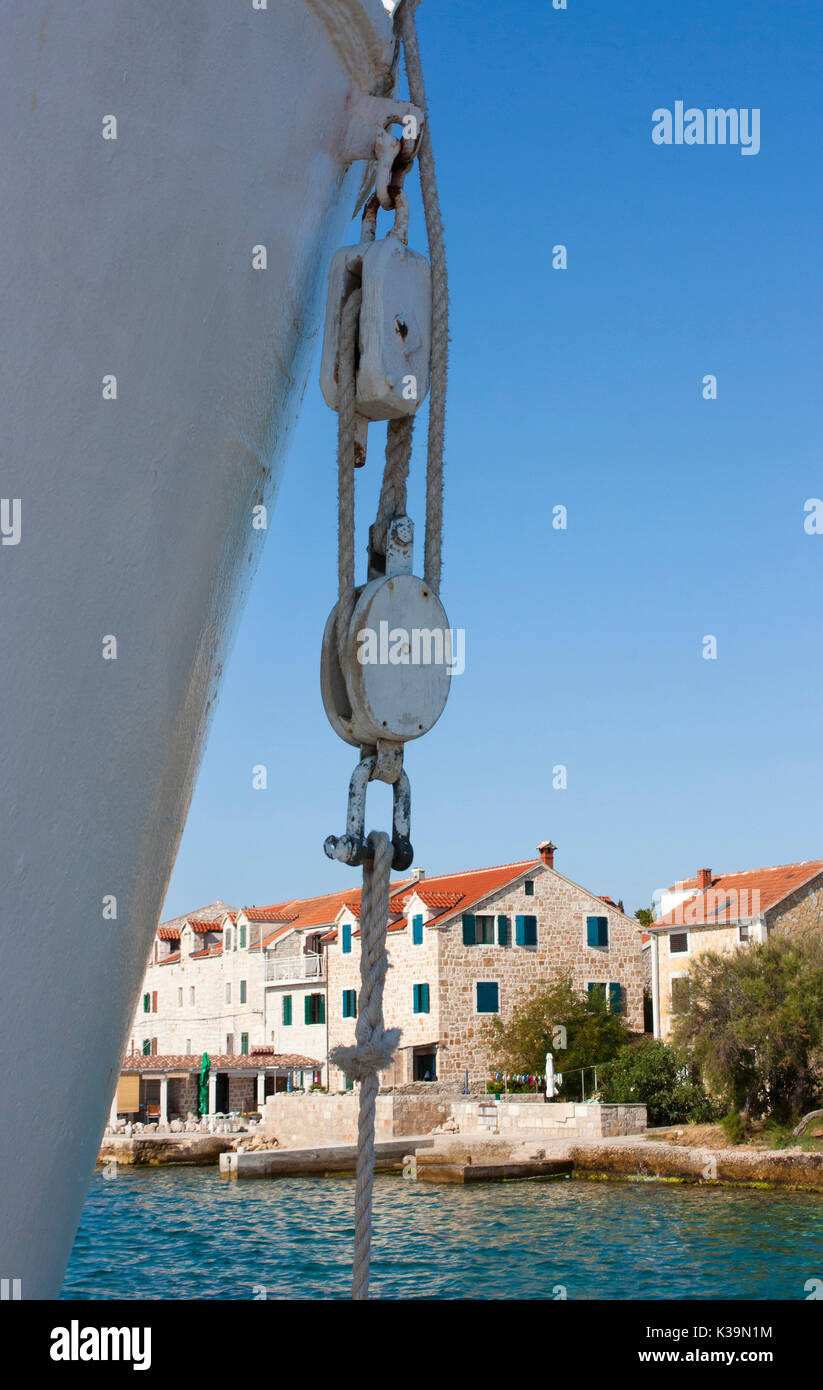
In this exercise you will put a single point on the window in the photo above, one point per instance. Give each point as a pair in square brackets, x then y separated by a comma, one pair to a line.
[350, 1003]
[286, 1010]
[678, 943]
[525, 931]
[417, 930]
[227, 940]
[180, 997]
[188, 1047]
[680, 993]
[420, 999]
[484, 928]
[228, 991]
[528, 887]
[743, 932]
[503, 931]
[597, 991]
[147, 1047]
[346, 938]
[244, 1044]
[230, 1044]
[597, 931]
[191, 994]
[242, 991]
[615, 998]
[146, 1003]
[315, 1008]
[488, 998]
[242, 938]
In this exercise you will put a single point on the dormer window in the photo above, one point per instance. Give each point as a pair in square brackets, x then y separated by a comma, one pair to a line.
[227, 946]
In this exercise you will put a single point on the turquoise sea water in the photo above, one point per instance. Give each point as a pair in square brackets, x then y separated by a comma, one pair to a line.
[188, 1233]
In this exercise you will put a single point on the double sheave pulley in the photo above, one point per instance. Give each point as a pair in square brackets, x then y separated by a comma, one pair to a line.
[384, 667]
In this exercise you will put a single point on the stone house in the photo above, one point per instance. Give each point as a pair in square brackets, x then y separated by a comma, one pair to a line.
[723, 912]
[466, 947]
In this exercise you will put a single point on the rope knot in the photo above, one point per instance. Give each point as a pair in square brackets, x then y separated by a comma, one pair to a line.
[367, 1058]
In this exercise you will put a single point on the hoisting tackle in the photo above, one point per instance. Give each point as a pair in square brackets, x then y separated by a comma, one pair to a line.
[385, 348]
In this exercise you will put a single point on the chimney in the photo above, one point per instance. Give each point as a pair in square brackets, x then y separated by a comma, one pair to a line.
[704, 879]
[546, 851]
[417, 874]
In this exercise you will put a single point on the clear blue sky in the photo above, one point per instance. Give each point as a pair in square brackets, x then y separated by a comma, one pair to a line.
[581, 387]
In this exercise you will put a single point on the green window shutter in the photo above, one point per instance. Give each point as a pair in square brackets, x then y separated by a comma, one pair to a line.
[147, 1047]
[488, 998]
[591, 932]
[307, 1008]
[616, 998]
[345, 1003]
[529, 931]
[349, 1003]
[242, 991]
[415, 999]
[424, 999]
[597, 992]
[603, 936]
[520, 931]
[286, 1010]
[244, 1044]
[502, 931]
[417, 931]
[242, 938]
[346, 938]
[146, 1003]
[321, 1008]
[468, 929]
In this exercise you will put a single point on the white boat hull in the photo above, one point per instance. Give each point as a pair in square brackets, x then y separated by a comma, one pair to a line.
[132, 258]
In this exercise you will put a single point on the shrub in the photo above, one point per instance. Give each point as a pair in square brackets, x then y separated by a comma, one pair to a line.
[655, 1075]
[734, 1127]
[754, 1024]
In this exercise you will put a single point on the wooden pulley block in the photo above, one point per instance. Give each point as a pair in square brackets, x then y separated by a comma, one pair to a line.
[397, 663]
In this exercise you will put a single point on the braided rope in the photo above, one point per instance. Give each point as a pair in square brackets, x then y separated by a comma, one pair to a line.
[392, 501]
[346, 410]
[374, 1046]
[440, 303]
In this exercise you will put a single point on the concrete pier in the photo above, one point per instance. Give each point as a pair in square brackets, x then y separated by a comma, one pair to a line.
[390, 1156]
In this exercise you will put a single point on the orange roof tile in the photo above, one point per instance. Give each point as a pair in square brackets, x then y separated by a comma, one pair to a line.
[740, 895]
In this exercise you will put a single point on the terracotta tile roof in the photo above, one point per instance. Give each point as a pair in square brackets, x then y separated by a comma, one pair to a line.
[313, 913]
[191, 1062]
[215, 950]
[200, 925]
[280, 912]
[171, 959]
[447, 893]
[169, 933]
[212, 912]
[736, 896]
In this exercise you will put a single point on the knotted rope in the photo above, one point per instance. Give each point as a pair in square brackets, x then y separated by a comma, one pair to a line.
[374, 1047]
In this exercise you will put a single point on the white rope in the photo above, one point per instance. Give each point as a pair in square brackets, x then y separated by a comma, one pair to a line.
[374, 1047]
[346, 410]
[440, 303]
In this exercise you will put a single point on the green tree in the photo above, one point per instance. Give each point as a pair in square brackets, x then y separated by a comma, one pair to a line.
[658, 1076]
[753, 1023]
[645, 915]
[593, 1033]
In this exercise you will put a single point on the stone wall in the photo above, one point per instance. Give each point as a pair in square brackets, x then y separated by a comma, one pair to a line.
[315, 1121]
[553, 1120]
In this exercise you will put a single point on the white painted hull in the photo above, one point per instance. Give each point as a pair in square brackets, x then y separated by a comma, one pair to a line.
[133, 258]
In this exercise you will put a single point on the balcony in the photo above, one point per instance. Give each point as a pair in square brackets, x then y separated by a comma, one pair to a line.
[305, 967]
